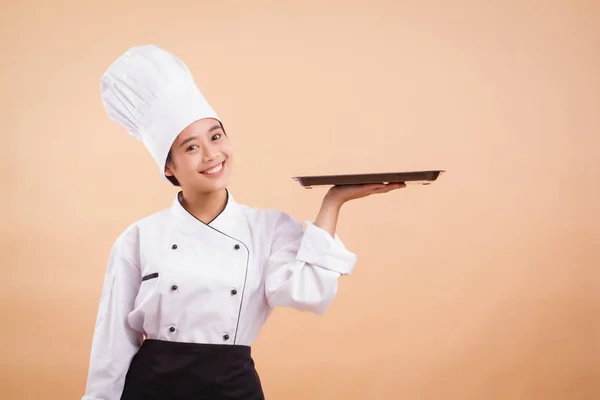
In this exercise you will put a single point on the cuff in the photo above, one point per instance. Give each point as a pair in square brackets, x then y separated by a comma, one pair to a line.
[320, 249]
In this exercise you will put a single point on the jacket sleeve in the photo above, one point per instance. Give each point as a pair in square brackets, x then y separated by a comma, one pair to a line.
[304, 266]
[114, 342]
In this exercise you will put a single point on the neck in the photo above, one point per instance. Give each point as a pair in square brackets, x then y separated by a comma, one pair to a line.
[204, 206]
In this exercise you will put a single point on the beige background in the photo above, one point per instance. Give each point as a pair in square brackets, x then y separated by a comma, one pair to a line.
[485, 285]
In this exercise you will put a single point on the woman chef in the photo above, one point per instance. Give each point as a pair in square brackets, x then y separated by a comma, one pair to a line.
[187, 289]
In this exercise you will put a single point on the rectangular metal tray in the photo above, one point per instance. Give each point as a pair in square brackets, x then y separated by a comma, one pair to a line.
[409, 177]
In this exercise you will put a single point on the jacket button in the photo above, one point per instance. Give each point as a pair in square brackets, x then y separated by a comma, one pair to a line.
[225, 337]
[174, 287]
[172, 329]
[237, 247]
[234, 291]
[174, 247]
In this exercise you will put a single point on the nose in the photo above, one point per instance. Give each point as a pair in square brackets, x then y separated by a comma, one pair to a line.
[210, 154]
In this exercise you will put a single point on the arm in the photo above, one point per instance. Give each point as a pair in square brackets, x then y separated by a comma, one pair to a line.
[329, 213]
[304, 265]
[114, 342]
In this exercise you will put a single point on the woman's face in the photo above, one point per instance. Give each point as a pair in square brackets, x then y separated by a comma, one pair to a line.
[201, 157]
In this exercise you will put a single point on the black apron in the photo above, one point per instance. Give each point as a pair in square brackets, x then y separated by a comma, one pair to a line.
[163, 370]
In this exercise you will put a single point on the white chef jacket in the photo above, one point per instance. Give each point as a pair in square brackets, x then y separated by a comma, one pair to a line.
[172, 277]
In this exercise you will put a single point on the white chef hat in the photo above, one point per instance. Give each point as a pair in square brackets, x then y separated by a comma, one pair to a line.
[153, 95]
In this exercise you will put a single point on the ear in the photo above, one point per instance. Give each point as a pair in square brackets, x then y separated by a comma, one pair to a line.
[169, 168]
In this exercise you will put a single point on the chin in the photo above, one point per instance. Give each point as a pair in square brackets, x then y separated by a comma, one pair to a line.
[212, 187]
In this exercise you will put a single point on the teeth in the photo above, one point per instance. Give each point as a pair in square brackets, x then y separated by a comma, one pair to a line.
[214, 170]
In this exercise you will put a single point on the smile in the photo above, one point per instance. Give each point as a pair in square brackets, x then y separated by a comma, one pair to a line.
[214, 171]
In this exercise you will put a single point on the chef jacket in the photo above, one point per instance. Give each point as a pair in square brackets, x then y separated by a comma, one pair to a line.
[172, 277]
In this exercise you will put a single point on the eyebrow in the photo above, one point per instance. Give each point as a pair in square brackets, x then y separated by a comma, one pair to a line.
[214, 128]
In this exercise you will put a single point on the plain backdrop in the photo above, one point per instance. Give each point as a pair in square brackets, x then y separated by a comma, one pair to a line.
[484, 285]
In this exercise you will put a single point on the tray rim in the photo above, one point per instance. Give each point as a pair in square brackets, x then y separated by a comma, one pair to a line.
[438, 173]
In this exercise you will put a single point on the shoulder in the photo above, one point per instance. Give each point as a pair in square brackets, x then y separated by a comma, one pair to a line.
[270, 214]
[127, 242]
[271, 220]
[154, 221]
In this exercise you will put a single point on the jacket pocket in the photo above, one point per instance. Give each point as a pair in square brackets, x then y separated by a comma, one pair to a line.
[150, 276]
[149, 290]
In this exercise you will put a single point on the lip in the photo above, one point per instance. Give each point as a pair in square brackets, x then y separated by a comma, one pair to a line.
[215, 175]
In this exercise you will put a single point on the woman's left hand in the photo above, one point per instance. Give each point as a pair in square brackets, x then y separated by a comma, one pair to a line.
[342, 194]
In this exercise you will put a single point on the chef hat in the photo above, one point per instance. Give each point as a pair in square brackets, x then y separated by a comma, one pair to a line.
[152, 94]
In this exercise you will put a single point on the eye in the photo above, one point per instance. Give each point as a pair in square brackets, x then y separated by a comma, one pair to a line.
[217, 136]
[192, 147]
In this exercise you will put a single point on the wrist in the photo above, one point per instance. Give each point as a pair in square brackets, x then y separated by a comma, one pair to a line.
[332, 201]
[328, 214]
